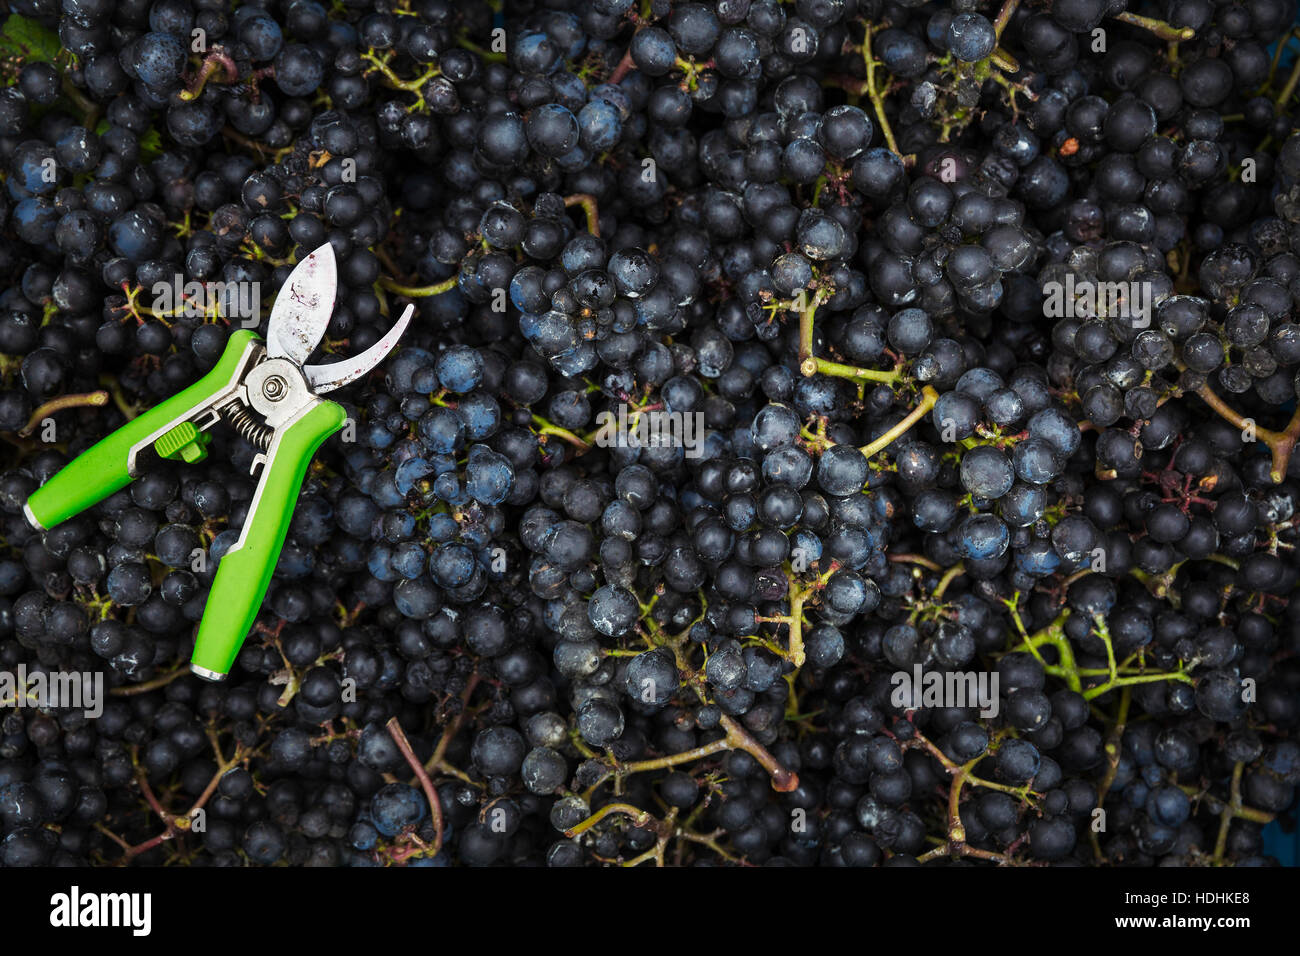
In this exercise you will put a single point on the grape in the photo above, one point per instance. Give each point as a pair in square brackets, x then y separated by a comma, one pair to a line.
[745, 382]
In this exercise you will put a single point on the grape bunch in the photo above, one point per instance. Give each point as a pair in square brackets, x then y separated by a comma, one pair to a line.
[832, 433]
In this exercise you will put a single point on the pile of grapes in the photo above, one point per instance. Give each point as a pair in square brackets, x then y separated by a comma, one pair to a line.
[970, 329]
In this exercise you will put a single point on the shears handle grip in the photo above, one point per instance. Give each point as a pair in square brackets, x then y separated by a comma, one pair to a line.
[106, 466]
[245, 570]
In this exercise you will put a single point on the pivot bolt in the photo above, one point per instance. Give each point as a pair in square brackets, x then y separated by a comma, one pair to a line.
[274, 388]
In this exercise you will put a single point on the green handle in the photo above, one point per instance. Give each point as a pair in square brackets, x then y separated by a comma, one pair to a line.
[245, 570]
[103, 469]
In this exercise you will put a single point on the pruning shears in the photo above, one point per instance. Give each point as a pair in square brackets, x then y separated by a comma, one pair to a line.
[271, 398]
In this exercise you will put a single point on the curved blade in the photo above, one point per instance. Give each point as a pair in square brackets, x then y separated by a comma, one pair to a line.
[326, 378]
[303, 308]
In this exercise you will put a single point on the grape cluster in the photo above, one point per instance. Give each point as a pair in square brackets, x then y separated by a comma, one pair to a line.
[971, 542]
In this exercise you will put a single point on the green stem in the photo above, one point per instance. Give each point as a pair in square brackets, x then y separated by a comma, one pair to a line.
[796, 652]
[545, 427]
[1277, 57]
[1094, 692]
[95, 399]
[1161, 29]
[808, 364]
[1113, 749]
[639, 817]
[396, 82]
[948, 577]
[1100, 628]
[1004, 61]
[130, 690]
[490, 55]
[928, 397]
[1225, 820]
[1291, 81]
[417, 292]
[840, 370]
[1004, 16]
[588, 203]
[1054, 634]
[876, 96]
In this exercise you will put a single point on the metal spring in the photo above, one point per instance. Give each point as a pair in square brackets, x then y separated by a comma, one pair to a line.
[241, 417]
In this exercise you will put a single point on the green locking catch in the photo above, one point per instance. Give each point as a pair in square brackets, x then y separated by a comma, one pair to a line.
[183, 443]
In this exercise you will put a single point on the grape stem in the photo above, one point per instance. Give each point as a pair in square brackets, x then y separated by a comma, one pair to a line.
[948, 577]
[417, 292]
[1094, 692]
[840, 370]
[1112, 750]
[1281, 444]
[1235, 808]
[545, 427]
[130, 690]
[799, 596]
[415, 86]
[435, 806]
[625, 66]
[963, 774]
[1054, 634]
[920, 559]
[588, 203]
[217, 59]
[810, 364]
[876, 95]
[175, 824]
[928, 397]
[1291, 81]
[1161, 29]
[436, 762]
[640, 818]
[665, 831]
[672, 760]
[796, 652]
[85, 400]
[1277, 57]
[738, 738]
[1004, 16]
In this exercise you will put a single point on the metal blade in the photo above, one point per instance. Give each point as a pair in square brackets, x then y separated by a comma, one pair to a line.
[326, 378]
[303, 308]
